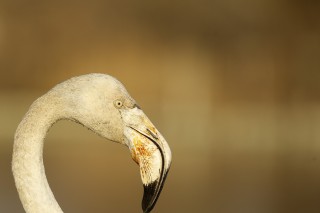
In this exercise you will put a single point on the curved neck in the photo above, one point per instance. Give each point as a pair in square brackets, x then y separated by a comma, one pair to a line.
[27, 163]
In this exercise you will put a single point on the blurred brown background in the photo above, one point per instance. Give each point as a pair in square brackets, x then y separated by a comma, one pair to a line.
[234, 86]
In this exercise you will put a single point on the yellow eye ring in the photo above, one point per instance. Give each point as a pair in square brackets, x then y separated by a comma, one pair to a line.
[118, 104]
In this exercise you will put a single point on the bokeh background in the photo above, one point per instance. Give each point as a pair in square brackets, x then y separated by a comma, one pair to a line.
[234, 86]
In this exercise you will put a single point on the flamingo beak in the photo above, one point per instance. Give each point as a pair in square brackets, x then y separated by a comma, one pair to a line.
[151, 152]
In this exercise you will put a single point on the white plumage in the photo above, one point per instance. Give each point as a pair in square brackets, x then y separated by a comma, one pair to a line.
[102, 104]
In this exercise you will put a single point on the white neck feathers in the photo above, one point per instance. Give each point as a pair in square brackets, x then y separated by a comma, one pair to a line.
[27, 163]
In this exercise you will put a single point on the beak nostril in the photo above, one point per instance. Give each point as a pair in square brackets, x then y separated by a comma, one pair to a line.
[153, 134]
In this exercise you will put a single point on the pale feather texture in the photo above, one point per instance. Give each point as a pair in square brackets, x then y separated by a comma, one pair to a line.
[75, 99]
[100, 103]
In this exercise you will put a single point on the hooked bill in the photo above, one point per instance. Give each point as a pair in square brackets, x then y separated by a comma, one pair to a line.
[150, 151]
[147, 156]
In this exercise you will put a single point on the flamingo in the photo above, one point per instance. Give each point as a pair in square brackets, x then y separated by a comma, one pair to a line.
[103, 105]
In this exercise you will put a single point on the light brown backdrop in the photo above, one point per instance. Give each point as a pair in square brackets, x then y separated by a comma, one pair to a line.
[234, 86]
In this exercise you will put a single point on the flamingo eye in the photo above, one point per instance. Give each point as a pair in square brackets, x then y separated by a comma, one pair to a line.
[118, 103]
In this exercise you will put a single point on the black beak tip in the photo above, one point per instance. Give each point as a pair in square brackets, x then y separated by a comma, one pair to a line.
[151, 193]
[150, 196]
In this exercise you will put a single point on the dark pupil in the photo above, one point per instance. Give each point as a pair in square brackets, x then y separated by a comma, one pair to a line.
[119, 103]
